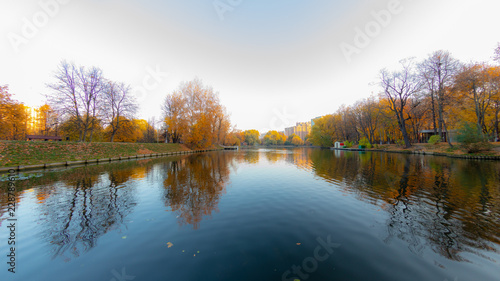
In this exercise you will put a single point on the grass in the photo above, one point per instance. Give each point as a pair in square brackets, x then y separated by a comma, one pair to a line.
[442, 148]
[14, 153]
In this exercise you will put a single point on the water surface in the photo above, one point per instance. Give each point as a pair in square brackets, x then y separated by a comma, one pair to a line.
[268, 214]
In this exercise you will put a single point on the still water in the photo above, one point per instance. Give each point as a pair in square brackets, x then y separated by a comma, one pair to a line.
[302, 214]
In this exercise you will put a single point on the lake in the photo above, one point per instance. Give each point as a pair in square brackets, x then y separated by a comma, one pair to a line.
[263, 214]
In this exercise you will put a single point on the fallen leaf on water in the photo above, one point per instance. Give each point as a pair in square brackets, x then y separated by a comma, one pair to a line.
[169, 244]
[198, 252]
[124, 237]
[298, 244]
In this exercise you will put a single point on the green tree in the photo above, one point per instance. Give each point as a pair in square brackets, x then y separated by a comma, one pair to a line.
[297, 141]
[274, 138]
[323, 131]
[251, 137]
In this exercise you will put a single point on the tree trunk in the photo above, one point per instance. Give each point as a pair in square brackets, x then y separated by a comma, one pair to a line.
[433, 113]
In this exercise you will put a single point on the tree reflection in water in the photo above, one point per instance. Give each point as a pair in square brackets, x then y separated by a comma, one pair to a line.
[194, 186]
[87, 206]
[79, 205]
[451, 204]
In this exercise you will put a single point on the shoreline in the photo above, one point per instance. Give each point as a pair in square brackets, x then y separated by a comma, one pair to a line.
[421, 152]
[45, 166]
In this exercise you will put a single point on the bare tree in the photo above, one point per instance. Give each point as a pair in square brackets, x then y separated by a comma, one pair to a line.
[399, 86]
[64, 97]
[496, 57]
[368, 114]
[120, 106]
[91, 88]
[438, 72]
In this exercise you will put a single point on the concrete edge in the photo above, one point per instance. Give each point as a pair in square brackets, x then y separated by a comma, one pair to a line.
[98, 161]
[474, 157]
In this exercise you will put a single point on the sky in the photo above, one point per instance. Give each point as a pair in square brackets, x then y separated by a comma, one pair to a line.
[273, 63]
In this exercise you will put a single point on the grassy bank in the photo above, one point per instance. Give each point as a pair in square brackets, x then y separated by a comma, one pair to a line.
[443, 148]
[14, 153]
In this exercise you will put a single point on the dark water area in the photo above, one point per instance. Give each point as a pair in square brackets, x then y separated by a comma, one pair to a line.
[268, 214]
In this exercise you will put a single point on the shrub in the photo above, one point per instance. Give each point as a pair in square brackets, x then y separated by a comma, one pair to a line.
[400, 143]
[364, 142]
[471, 139]
[348, 144]
[434, 139]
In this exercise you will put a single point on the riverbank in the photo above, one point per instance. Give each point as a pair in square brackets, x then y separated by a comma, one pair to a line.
[24, 153]
[442, 149]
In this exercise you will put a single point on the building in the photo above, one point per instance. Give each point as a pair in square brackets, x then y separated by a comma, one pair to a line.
[301, 129]
[425, 135]
[314, 120]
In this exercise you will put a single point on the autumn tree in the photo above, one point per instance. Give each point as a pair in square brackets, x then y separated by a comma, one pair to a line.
[322, 132]
[476, 84]
[149, 133]
[398, 87]
[6, 104]
[367, 114]
[13, 116]
[47, 120]
[274, 138]
[296, 140]
[194, 115]
[233, 139]
[252, 137]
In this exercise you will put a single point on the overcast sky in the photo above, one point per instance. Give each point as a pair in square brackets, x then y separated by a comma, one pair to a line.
[273, 63]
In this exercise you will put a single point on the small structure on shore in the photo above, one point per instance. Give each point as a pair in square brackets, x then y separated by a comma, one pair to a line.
[44, 138]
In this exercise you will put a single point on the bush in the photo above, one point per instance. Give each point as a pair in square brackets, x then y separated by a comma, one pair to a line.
[348, 144]
[400, 143]
[364, 142]
[434, 139]
[471, 139]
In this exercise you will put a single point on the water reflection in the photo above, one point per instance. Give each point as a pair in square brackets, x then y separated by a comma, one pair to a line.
[194, 186]
[453, 205]
[78, 206]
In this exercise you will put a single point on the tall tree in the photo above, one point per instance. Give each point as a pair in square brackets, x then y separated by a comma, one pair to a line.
[398, 87]
[497, 53]
[474, 83]
[438, 72]
[64, 97]
[194, 115]
[77, 96]
[368, 114]
[91, 84]
[120, 106]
